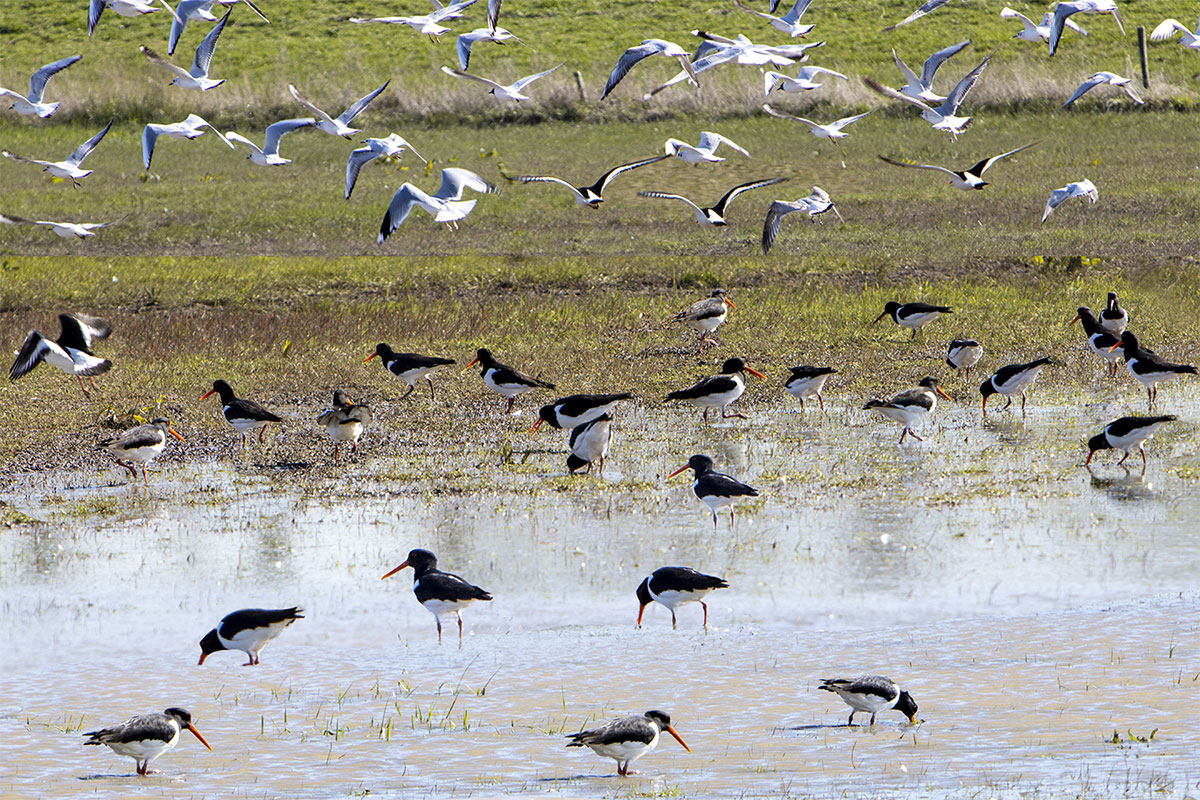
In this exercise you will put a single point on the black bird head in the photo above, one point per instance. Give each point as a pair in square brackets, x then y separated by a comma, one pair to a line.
[1097, 442]
[421, 562]
[700, 463]
[339, 400]
[210, 644]
[1084, 314]
[483, 357]
[1112, 299]
[663, 720]
[931, 383]
[1128, 343]
[889, 310]
[987, 389]
[732, 366]
[181, 714]
[574, 463]
[907, 706]
[644, 599]
[222, 389]
[383, 352]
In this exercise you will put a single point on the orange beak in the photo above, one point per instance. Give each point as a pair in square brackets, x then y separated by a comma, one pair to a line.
[641, 611]
[729, 303]
[468, 366]
[672, 475]
[1115, 346]
[393, 572]
[756, 372]
[1074, 319]
[671, 731]
[175, 433]
[207, 394]
[368, 358]
[881, 316]
[203, 741]
[202, 657]
[536, 424]
[938, 389]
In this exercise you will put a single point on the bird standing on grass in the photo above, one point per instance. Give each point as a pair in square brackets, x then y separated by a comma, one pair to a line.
[248, 630]
[503, 379]
[913, 316]
[146, 737]
[1100, 340]
[705, 316]
[409, 366]
[1147, 368]
[1113, 318]
[244, 416]
[71, 352]
[962, 354]
[578, 409]
[871, 693]
[627, 739]
[715, 489]
[140, 445]
[589, 443]
[344, 421]
[439, 592]
[806, 382]
[676, 586]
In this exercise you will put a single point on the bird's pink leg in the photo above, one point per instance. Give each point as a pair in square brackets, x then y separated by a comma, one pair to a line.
[704, 605]
[261, 433]
[439, 624]
[459, 615]
[430, 382]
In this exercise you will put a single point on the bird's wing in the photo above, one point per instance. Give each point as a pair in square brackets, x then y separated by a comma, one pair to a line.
[1166, 29]
[455, 180]
[307, 104]
[87, 147]
[354, 164]
[964, 86]
[528, 79]
[767, 108]
[10, 219]
[23, 159]
[402, 203]
[626, 62]
[37, 82]
[79, 331]
[465, 42]
[1132, 94]
[493, 15]
[669, 196]
[1057, 198]
[204, 53]
[775, 214]
[149, 137]
[276, 131]
[451, 11]
[1061, 12]
[200, 122]
[710, 141]
[916, 15]
[888, 91]
[914, 165]
[845, 121]
[724, 202]
[752, 11]
[910, 77]
[177, 26]
[257, 10]
[361, 104]
[822, 71]
[1085, 87]
[234, 136]
[607, 177]
[1070, 23]
[797, 11]
[155, 58]
[986, 164]
[935, 61]
[1008, 13]
[460, 74]
[95, 9]
[31, 353]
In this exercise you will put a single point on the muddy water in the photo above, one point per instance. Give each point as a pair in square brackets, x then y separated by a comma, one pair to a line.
[1032, 609]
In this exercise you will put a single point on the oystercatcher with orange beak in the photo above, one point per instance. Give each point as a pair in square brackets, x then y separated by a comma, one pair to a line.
[1100, 340]
[140, 445]
[245, 416]
[627, 739]
[910, 406]
[248, 630]
[578, 409]
[1011, 380]
[913, 316]
[503, 379]
[147, 736]
[718, 391]
[705, 316]
[1125, 434]
[409, 366]
[677, 586]
[1113, 318]
[440, 592]
[715, 489]
[872, 693]
[345, 421]
[1147, 367]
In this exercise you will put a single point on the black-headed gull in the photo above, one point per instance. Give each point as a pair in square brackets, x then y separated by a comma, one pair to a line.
[68, 168]
[942, 117]
[649, 47]
[967, 179]
[493, 15]
[590, 196]
[67, 230]
[789, 23]
[814, 205]
[126, 8]
[511, 92]
[831, 131]
[341, 125]
[1085, 190]
[1099, 79]
[932, 5]
[466, 41]
[1032, 32]
[33, 102]
[716, 50]
[190, 128]
[1169, 27]
[428, 24]
[804, 81]
[921, 87]
[189, 10]
[390, 147]
[1064, 10]
[445, 205]
[269, 156]
[714, 217]
[197, 76]
[703, 152]
[71, 352]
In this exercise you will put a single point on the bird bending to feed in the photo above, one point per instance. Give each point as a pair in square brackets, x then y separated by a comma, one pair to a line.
[1085, 190]
[910, 406]
[409, 366]
[705, 316]
[140, 445]
[1125, 434]
[589, 443]
[1169, 27]
[125, 8]
[1100, 79]
[814, 205]
[33, 103]
[68, 168]
[344, 421]
[428, 24]
[244, 416]
[578, 409]
[1113, 318]
[146, 736]
[1062, 11]
[943, 117]
[718, 391]
[913, 316]
[714, 217]
[804, 81]
[341, 125]
[627, 739]
[715, 489]
[189, 10]
[677, 586]
[967, 179]
[1148, 368]
[390, 147]
[67, 230]
[921, 87]
[789, 23]
[71, 352]
[831, 131]
[703, 152]
[468, 40]
[872, 693]
[268, 155]
[440, 592]
[445, 205]
[1100, 340]
[1036, 33]
[197, 76]
[591, 196]
[190, 128]
[931, 5]
[807, 382]
[503, 379]
[1013, 379]
[649, 47]
[248, 630]
[962, 354]
[513, 91]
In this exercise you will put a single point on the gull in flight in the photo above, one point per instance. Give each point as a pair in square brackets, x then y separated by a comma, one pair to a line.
[493, 15]
[445, 205]
[705, 151]
[804, 81]
[714, 217]
[197, 76]
[789, 23]
[1084, 190]
[814, 205]
[1099, 79]
[189, 10]
[32, 104]
[831, 131]
[341, 125]
[590, 196]
[511, 92]
[922, 88]
[967, 179]
[716, 50]
[190, 128]
[391, 147]
[649, 47]
[1036, 33]
[942, 117]
[269, 156]
[932, 5]
[67, 230]
[126, 8]
[70, 167]
[1169, 27]
[428, 24]
[466, 41]
[1064, 10]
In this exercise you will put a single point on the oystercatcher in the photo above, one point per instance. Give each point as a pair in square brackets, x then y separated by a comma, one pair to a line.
[807, 382]
[589, 444]
[962, 354]
[1113, 318]
[409, 366]
[140, 445]
[714, 217]
[910, 406]
[248, 630]
[1125, 434]
[146, 736]
[705, 316]
[1100, 340]
[72, 352]
[344, 422]
[1013, 379]
[872, 693]
[967, 179]
[715, 489]
[627, 739]
[503, 379]
[440, 592]
[1147, 367]
[577, 409]
[590, 196]
[676, 586]
[718, 391]
[245, 416]
[912, 315]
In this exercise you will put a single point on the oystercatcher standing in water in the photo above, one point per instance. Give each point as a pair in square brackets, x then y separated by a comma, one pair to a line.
[440, 592]
[1100, 340]
[1113, 318]
[147, 736]
[578, 409]
[71, 352]
[409, 366]
[1147, 367]
[1125, 434]
[344, 421]
[248, 630]
[245, 416]
[872, 693]
[676, 586]
[627, 739]
[807, 382]
[1013, 379]
[140, 445]
[503, 379]
[589, 444]
[913, 316]
[962, 354]
[910, 406]
[715, 489]
[705, 316]
[718, 391]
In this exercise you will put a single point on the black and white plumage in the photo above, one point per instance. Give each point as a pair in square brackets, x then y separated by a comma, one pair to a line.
[648, 47]
[445, 205]
[920, 87]
[871, 693]
[913, 316]
[190, 128]
[71, 352]
[389, 147]
[789, 23]
[814, 205]
[412, 367]
[703, 153]
[197, 76]
[248, 630]
[962, 354]
[715, 489]
[1036, 32]
[930, 5]
[1085, 190]
[439, 592]
[1113, 318]
[1012, 380]
[140, 445]
[718, 391]
[627, 739]
[943, 117]
[966, 179]
[910, 406]
[714, 217]
[268, 154]
[1148, 368]
[832, 130]
[589, 442]
[590, 196]
[1100, 341]
[428, 24]
[577, 409]
[344, 421]
[806, 382]
[70, 167]
[677, 586]
[514, 91]
[503, 379]
[467, 41]
[341, 125]
[244, 416]
[718, 50]
[125, 8]
[1125, 434]
[34, 102]
[146, 736]
[189, 10]
[1062, 11]
[1101, 79]
[705, 316]
[804, 81]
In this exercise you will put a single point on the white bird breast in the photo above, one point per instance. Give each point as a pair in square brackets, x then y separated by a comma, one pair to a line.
[805, 388]
[625, 751]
